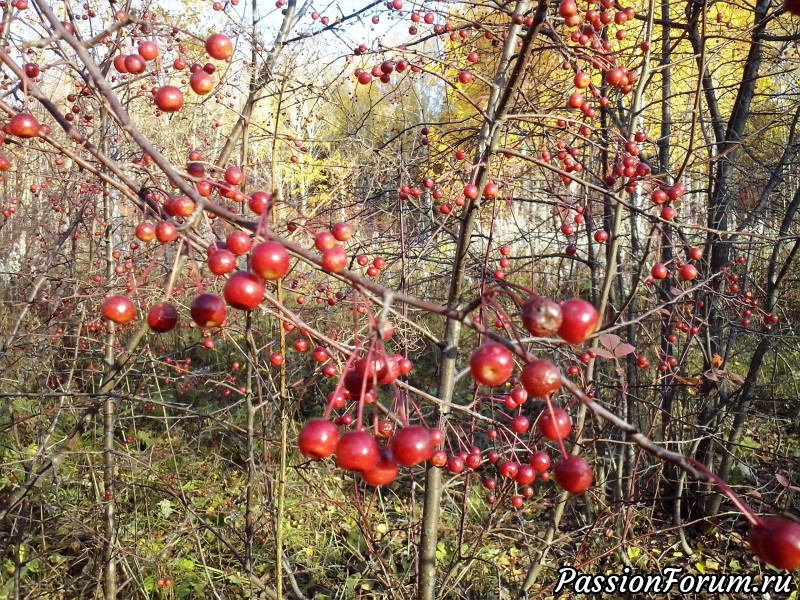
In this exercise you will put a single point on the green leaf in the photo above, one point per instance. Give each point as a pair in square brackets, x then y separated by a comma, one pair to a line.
[145, 438]
[351, 582]
[441, 551]
[237, 579]
[165, 508]
[185, 564]
[749, 442]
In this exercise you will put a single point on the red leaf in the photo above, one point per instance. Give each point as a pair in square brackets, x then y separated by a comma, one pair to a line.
[624, 349]
[609, 340]
[603, 353]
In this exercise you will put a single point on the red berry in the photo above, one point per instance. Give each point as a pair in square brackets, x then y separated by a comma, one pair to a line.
[324, 240]
[508, 469]
[32, 70]
[541, 378]
[555, 429]
[357, 451]
[659, 271]
[520, 424]
[437, 437]
[573, 474]
[491, 190]
[385, 470]
[439, 458]
[334, 260]
[541, 317]
[169, 99]
[342, 231]
[473, 461]
[259, 202]
[135, 64]
[119, 309]
[244, 291]
[578, 321]
[687, 272]
[567, 8]
[148, 50]
[526, 475]
[201, 82]
[239, 243]
[668, 213]
[491, 364]
[676, 191]
[776, 541]
[269, 260]
[318, 439]
[695, 253]
[162, 317]
[119, 63]
[166, 232]
[208, 310]
[412, 445]
[405, 366]
[234, 175]
[540, 461]
[221, 262]
[145, 232]
[582, 80]
[471, 191]
[519, 396]
[24, 125]
[219, 46]
[456, 464]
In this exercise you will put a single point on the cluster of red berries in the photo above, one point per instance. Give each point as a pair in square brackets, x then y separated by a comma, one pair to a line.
[164, 582]
[169, 98]
[382, 72]
[244, 290]
[491, 364]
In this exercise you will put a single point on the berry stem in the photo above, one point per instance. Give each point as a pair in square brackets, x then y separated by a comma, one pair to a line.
[553, 417]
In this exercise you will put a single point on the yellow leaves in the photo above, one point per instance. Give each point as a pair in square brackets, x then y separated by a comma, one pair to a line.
[633, 553]
[692, 383]
[717, 361]
[700, 568]
[708, 564]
